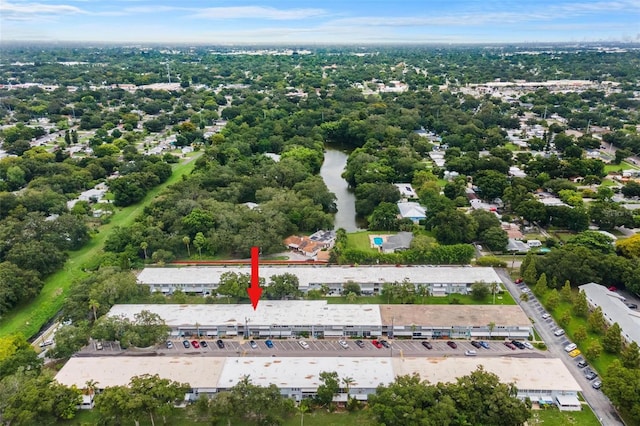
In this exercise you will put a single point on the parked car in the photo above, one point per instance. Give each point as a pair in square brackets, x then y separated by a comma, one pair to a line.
[597, 384]
[574, 353]
[269, 343]
[632, 306]
[527, 345]
[99, 346]
[510, 345]
[582, 363]
[186, 344]
[46, 343]
[613, 288]
[484, 344]
[570, 347]
[344, 344]
[590, 375]
[204, 343]
[376, 344]
[169, 344]
[360, 343]
[470, 353]
[452, 344]
[253, 344]
[518, 344]
[303, 344]
[384, 343]
[519, 281]
[546, 315]
[427, 345]
[558, 332]
[220, 343]
[475, 344]
[195, 344]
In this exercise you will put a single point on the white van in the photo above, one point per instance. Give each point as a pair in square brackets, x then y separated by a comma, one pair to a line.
[471, 353]
[570, 347]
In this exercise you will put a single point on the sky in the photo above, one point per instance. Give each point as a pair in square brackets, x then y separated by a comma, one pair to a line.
[328, 21]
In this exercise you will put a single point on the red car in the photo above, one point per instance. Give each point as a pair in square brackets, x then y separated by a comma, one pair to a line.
[376, 344]
[612, 288]
[195, 344]
[510, 345]
[518, 281]
[452, 344]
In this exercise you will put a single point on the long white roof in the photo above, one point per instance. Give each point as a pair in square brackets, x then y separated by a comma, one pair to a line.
[276, 312]
[614, 309]
[325, 274]
[292, 372]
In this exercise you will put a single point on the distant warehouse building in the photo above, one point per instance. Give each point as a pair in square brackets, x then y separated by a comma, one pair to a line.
[317, 318]
[440, 280]
[614, 310]
[542, 380]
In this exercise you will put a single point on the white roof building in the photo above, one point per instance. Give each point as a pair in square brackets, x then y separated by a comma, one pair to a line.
[406, 190]
[412, 210]
[614, 310]
[370, 278]
[299, 377]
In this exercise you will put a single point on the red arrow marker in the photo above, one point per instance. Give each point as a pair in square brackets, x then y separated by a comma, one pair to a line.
[255, 291]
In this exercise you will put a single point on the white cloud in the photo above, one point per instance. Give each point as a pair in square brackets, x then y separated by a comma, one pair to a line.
[257, 12]
[28, 11]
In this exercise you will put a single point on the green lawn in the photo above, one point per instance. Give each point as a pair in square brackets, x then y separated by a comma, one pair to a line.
[28, 318]
[512, 147]
[550, 417]
[553, 417]
[601, 363]
[360, 240]
[187, 417]
[609, 182]
[608, 168]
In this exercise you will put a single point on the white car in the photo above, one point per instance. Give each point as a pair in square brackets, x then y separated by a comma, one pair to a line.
[343, 344]
[303, 344]
[558, 332]
[46, 343]
[570, 347]
[527, 345]
[471, 353]
[546, 315]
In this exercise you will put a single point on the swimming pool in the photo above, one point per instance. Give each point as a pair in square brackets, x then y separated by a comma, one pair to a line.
[377, 241]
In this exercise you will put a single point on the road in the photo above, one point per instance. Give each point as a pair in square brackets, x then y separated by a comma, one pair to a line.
[609, 148]
[598, 401]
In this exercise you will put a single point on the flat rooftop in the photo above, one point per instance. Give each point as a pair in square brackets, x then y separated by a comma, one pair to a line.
[614, 309]
[454, 315]
[288, 372]
[304, 373]
[307, 275]
[199, 372]
[269, 312]
[527, 373]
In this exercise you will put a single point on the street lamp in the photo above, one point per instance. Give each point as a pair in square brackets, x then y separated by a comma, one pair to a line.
[246, 327]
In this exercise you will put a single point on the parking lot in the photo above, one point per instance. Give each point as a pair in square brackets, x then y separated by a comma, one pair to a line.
[328, 347]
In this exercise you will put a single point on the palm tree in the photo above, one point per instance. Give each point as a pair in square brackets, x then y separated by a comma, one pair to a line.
[144, 245]
[94, 305]
[351, 297]
[187, 242]
[348, 381]
[303, 407]
[491, 326]
[89, 387]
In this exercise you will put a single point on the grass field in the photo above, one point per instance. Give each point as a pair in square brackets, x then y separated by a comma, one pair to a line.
[462, 299]
[29, 318]
[553, 417]
[187, 417]
[608, 168]
[550, 417]
[360, 240]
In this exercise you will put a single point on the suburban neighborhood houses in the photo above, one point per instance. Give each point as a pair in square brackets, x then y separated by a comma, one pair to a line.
[348, 234]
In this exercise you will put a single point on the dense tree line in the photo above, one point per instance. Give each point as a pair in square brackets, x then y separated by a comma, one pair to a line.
[478, 398]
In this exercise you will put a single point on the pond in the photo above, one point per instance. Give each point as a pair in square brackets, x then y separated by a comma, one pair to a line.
[331, 172]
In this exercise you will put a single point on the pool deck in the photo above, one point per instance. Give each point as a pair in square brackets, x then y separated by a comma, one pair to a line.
[373, 237]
